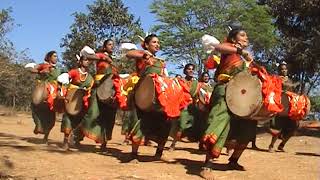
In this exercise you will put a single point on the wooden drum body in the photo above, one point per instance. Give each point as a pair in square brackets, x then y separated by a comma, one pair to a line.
[145, 94]
[105, 90]
[74, 101]
[40, 93]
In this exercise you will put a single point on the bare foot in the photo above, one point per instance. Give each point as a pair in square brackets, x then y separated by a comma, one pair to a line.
[125, 142]
[164, 159]
[133, 159]
[207, 173]
[103, 148]
[236, 166]
[77, 145]
[280, 149]
[270, 150]
[44, 141]
[171, 149]
[65, 146]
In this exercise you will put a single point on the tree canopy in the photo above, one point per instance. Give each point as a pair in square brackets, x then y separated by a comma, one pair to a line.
[298, 25]
[183, 23]
[15, 81]
[104, 19]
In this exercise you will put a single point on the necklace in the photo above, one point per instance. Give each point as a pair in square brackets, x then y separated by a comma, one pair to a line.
[81, 75]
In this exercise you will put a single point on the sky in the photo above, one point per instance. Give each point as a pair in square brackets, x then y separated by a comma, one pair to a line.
[43, 23]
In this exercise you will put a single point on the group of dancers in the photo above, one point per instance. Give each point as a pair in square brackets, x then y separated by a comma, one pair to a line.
[182, 107]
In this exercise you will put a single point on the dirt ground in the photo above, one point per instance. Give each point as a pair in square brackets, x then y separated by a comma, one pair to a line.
[22, 156]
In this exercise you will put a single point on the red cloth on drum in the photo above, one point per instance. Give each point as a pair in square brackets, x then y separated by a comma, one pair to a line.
[52, 94]
[86, 101]
[187, 99]
[271, 89]
[170, 95]
[212, 62]
[122, 99]
[298, 105]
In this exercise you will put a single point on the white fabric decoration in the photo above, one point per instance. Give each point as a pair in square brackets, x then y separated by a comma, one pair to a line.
[209, 42]
[124, 76]
[30, 65]
[86, 50]
[63, 78]
[127, 46]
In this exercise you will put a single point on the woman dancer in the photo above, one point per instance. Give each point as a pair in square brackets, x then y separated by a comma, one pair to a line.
[43, 114]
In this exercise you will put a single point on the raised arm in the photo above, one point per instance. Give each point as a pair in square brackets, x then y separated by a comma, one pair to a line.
[227, 49]
[137, 54]
[35, 69]
[99, 57]
[41, 69]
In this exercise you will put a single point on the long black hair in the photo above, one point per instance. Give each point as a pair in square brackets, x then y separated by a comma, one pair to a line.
[204, 73]
[147, 40]
[233, 33]
[48, 55]
[106, 42]
[187, 66]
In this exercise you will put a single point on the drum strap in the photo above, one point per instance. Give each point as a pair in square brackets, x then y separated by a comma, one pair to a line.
[98, 77]
[127, 87]
[224, 78]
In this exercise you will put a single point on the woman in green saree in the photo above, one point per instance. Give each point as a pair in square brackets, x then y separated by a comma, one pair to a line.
[218, 124]
[83, 123]
[43, 113]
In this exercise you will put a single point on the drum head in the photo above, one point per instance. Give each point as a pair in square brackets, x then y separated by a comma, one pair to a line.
[243, 94]
[39, 94]
[74, 101]
[285, 103]
[145, 93]
[105, 90]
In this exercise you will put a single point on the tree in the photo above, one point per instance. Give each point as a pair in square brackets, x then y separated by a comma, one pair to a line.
[6, 25]
[15, 81]
[315, 103]
[105, 19]
[184, 22]
[298, 23]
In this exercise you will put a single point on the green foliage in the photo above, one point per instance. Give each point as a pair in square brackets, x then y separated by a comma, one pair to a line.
[6, 22]
[15, 84]
[315, 103]
[299, 24]
[105, 19]
[184, 22]
[6, 25]
[15, 81]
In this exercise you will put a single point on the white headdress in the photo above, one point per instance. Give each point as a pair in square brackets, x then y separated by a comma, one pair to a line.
[282, 63]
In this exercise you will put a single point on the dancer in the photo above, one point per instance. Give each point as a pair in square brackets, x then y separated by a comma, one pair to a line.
[282, 127]
[43, 112]
[154, 125]
[218, 125]
[82, 123]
